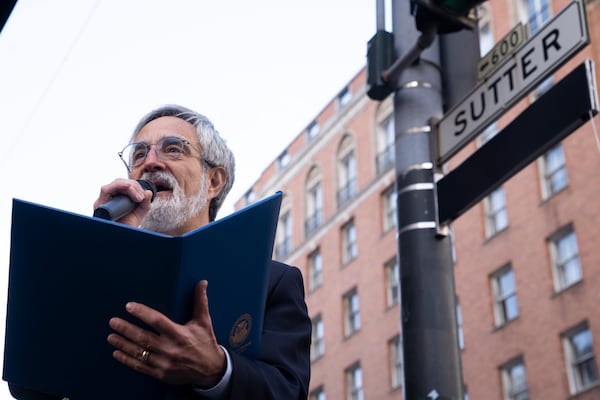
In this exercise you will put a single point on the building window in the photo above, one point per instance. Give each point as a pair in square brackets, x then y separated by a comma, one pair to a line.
[351, 313]
[553, 171]
[385, 142]
[284, 235]
[315, 270]
[348, 180]
[487, 134]
[317, 344]
[390, 207]
[313, 130]
[317, 394]
[283, 159]
[349, 244]
[347, 176]
[514, 380]
[392, 281]
[496, 216]
[314, 202]
[580, 358]
[564, 253]
[505, 295]
[459, 327]
[249, 197]
[344, 97]
[396, 373]
[354, 383]
[486, 34]
[535, 13]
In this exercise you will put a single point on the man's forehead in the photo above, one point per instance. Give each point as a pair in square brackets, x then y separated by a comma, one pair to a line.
[167, 126]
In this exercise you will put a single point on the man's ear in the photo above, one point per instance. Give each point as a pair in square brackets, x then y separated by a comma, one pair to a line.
[216, 180]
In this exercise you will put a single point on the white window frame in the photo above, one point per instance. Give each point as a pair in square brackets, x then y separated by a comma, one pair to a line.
[548, 172]
[344, 97]
[386, 151]
[504, 297]
[486, 32]
[283, 160]
[313, 130]
[396, 370]
[318, 394]
[459, 326]
[314, 202]
[487, 134]
[392, 282]
[575, 362]
[566, 264]
[354, 383]
[390, 208]
[284, 234]
[351, 313]
[315, 270]
[249, 197]
[317, 344]
[496, 214]
[349, 242]
[347, 172]
[511, 388]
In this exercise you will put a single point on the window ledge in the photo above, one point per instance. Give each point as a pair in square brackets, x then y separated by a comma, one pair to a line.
[566, 288]
[505, 324]
[553, 195]
[590, 388]
[495, 234]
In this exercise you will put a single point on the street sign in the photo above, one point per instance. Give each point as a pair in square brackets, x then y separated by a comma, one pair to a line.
[551, 118]
[503, 49]
[554, 44]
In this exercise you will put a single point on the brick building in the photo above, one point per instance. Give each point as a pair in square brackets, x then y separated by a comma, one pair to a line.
[527, 261]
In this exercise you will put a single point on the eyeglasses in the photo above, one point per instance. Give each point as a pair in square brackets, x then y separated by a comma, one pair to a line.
[168, 148]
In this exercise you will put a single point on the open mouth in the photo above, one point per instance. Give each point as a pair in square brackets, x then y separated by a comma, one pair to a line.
[162, 186]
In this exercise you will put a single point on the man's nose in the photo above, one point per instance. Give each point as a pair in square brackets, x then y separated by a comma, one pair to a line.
[153, 162]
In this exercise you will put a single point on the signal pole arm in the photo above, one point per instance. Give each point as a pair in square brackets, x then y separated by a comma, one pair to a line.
[427, 37]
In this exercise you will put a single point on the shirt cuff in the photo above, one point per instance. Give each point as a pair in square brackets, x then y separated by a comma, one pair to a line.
[219, 389]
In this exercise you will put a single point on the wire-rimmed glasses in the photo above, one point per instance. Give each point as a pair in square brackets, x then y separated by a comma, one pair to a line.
[168, 148]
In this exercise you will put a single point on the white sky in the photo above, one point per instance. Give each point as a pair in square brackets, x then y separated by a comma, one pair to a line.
[76, 75]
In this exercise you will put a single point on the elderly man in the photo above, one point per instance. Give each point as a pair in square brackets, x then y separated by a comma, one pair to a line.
[181, 153]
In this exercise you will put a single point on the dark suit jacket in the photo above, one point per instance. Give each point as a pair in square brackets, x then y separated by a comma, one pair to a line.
[282, 371]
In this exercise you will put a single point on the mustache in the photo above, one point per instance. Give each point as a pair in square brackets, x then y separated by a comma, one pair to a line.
[163, 180]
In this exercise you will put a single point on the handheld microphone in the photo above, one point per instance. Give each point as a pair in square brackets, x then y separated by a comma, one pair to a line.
[122, 205]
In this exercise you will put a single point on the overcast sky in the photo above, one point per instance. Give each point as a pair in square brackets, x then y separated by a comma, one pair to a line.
[76, 75]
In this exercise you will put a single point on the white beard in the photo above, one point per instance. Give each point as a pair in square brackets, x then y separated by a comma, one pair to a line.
[168, 214]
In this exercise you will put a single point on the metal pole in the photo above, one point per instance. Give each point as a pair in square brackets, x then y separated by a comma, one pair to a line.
[432, 367]
[380, 14]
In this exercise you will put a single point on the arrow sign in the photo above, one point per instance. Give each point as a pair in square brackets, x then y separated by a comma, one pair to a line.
[559, 40]
[560, 111]
[503, 49]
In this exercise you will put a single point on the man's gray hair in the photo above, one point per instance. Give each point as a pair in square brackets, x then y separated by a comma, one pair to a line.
[213, 148]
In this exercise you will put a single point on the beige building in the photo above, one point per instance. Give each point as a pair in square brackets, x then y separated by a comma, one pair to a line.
[527, 256]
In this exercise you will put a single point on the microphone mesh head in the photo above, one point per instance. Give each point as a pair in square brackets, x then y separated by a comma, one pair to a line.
[147, 185]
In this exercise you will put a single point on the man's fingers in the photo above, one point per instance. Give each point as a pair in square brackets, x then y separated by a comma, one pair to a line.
[130, 349]
[152, 318]
[134, 334]
[201, 313]
[126, 187]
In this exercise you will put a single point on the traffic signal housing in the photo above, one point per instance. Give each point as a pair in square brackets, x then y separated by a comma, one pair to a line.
[380, 55]
[448, 15]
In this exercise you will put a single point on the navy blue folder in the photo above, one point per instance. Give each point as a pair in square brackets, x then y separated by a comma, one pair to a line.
[69, 274]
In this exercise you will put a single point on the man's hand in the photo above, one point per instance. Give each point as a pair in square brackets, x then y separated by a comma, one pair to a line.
[134, 191]
[177, 354]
